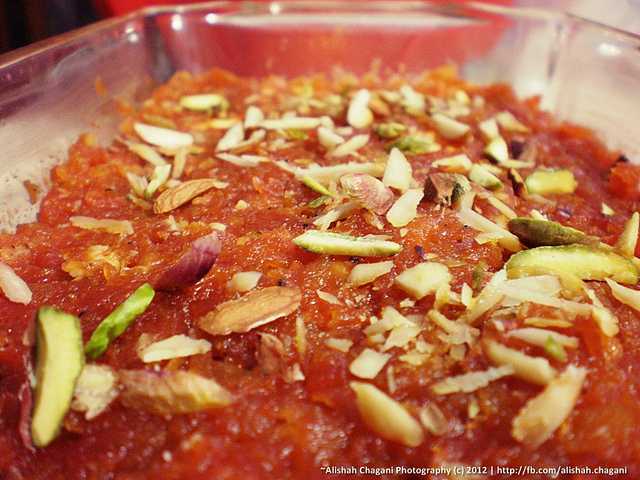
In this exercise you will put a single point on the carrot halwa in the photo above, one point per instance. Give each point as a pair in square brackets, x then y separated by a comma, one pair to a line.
[260, 278]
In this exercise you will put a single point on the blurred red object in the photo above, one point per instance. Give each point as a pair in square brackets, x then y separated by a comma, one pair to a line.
[120, 7]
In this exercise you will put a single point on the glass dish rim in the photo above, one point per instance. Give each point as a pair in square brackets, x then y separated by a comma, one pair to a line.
[266, 10]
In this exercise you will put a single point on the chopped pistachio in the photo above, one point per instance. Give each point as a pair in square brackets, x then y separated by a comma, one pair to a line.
[315, 185]
[330, 243]
[390, 129]
[318, 202]
[416, 144]
[545, 182]
[536, 233]
[583, 261]
[555, 349]
[445, 188]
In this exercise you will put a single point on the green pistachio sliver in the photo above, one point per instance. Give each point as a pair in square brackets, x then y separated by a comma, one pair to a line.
[296, 134]
[316, 186]
[547, 182]
[585, 262]
[390, 129]
[535, 233]
[416, 144]
[555, 350]
[202, 102]
[329, 243]
[318, 202]
[117, 321]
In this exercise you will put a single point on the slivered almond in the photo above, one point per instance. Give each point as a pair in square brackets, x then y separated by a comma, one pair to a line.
[122, 227]
[472, 381]
[532, 369]
[369, 363]
[385, 416]
[185, 192]
[543, 414]
[163, 137]
[252, 310]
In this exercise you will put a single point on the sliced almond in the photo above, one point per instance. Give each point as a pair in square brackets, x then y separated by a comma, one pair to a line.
[358, 114]
[470, 382]
[252, 310]
[121, 227]
[253, 116]
[489, 128]
[202, 102]
[292, 123]
[509, 122]
[340, 344]
[185, 192]
[174, 347]
[245, 281]
[397, 173]
[328, 138]
[163, 137]
[543, 414]
[369, 363]
[423, 279]
[242, 160]
[448, 127]
[385, 416]
[367, 272]
[433, 419]
[171, 392]
[531, 369]
[95, 389]
[232, 138]
[146, 153]
[351, 146]
[405, 209]
[413, 102]
[14, 287]
[457, 163]
[539, 337]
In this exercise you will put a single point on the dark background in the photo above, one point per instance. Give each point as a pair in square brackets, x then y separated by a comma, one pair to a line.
[25, 21]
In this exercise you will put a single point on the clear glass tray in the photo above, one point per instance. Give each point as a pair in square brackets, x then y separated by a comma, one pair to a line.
[584, 72]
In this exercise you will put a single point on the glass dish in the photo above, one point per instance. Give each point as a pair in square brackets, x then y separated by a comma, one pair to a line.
[584, 72]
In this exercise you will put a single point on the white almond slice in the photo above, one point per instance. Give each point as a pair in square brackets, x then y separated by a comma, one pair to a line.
[179, 163]
[328, 297]
[292, 123]
[137, 183]
[14, 287]
[448, 127]
[202, 102]
[359, 115]
[542, 415]
[605, 319]
[253, 116]
[413, 102]
[607, 210]
[385, 416]
[532, 296]
[146, 153]
[159, 177]
[256, 137]
[545, 284]
[326, 174]
[509, 122]
[328, 138]
[120, 227]
[368, 272]
[502, 207]
[434, 420]
[351, 146]
[324, 221]
[539, 337]
[339, 344]
[459, 332]
[456, 163]
[242, 160]
[391, 319]
[470, 382]
[498, 150]
[508, 241]
[489, 129]
[405, 209]
[535, 370]
[231, 138]
[542, 322]
[400, 336]
[220, 123]
[368, 364]
[245, 281]
[177, 346]
[466, 295]
[397, 173]
[625, 295]
[95, 389]
[423, 279]
[300, 338]
[163, 137]
[414, 358]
